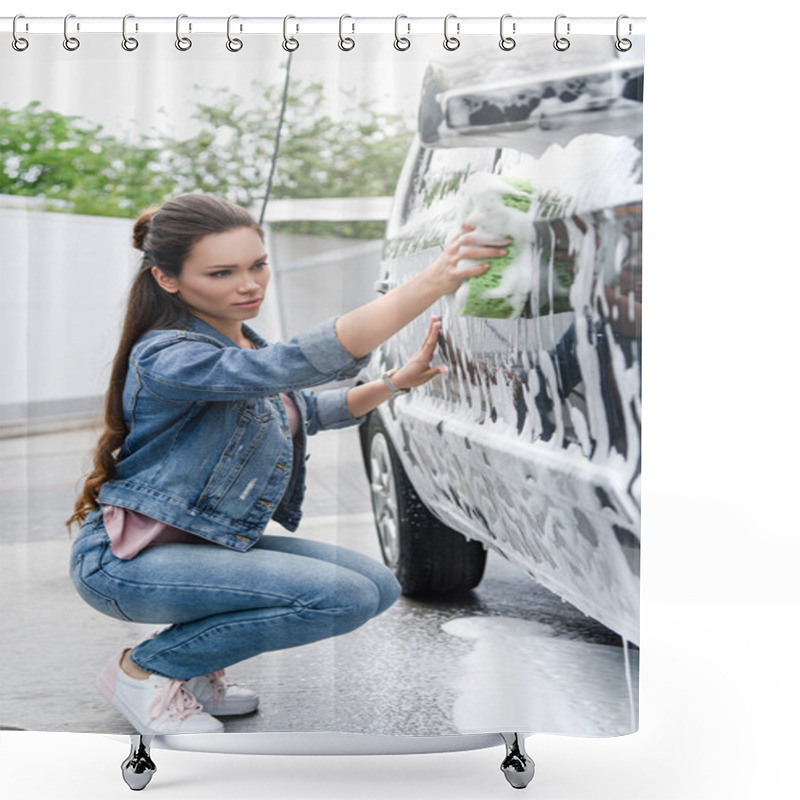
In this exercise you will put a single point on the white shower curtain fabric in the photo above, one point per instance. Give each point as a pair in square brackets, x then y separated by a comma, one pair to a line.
[491, 513]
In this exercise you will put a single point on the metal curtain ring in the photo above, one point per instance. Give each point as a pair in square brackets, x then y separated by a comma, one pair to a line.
[345, 43]
[623, 45]
[182, 42]
[451, 42]
[129, 43]
[70, 42]
[506, 42]
[19, 43]
[290, 44]
[234, 45]
[401, 42]
[561, 43]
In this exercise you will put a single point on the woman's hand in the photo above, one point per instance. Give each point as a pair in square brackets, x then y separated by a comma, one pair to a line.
[447, 272]
[418, 370]
[364, 328]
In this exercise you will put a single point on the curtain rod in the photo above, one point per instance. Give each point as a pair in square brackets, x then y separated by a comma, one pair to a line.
[407, 25]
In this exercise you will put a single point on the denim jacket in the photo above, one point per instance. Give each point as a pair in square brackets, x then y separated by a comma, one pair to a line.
[209, 449]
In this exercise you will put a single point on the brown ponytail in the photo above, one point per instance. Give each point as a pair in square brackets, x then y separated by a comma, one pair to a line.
[165, 236]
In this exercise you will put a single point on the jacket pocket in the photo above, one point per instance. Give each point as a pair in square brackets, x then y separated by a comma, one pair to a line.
[256, 409]
[242, 469]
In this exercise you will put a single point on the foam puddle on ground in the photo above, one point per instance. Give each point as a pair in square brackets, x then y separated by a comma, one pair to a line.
[518, 676]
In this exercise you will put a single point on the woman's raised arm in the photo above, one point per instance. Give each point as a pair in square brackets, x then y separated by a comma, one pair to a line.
[360, 331]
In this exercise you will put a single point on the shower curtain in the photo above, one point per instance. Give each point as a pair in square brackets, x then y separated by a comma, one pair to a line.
[504, 493]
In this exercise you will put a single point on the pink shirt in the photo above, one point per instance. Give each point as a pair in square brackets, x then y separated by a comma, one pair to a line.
[292, 413]
[130, 532]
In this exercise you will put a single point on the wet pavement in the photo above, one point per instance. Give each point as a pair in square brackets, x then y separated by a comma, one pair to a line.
[508, 649]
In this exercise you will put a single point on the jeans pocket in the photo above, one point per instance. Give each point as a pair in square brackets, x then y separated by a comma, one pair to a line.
[100, 602]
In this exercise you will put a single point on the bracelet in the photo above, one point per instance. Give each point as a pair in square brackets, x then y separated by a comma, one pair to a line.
[386, 379]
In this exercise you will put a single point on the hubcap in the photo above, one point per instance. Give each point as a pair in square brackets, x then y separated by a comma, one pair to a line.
[384, 499]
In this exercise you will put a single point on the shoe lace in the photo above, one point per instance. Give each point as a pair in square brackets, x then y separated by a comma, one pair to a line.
[174, 698]
[219, 683]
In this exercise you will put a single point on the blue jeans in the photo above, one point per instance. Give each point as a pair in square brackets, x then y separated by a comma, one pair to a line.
[225, 606]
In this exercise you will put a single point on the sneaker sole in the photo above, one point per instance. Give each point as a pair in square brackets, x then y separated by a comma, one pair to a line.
[232, 710]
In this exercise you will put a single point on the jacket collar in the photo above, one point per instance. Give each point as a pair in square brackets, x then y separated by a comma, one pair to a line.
[198, 325]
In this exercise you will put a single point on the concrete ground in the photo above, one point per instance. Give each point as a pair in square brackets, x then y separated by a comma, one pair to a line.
[509, 650]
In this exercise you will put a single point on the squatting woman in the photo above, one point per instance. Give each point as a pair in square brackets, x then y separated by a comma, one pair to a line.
[204, 443]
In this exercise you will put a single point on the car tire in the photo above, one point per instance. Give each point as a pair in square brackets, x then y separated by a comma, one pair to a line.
[427, 557]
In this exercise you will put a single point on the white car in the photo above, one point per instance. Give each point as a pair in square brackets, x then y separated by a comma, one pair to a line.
[530, 443]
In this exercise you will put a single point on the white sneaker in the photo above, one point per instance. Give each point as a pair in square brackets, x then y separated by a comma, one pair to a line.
[217, 695]
[154, 706]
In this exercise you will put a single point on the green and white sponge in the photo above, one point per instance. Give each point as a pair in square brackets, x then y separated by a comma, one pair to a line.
[499, 207]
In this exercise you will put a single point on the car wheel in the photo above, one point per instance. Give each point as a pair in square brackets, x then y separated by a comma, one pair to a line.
[427, 556]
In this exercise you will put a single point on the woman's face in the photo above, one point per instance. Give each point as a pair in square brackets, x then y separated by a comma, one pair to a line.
[224, 279]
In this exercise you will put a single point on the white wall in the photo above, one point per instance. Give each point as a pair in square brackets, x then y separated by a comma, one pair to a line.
[62, 283]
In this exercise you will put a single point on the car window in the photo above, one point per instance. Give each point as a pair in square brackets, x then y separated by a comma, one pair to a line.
[579, 232]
